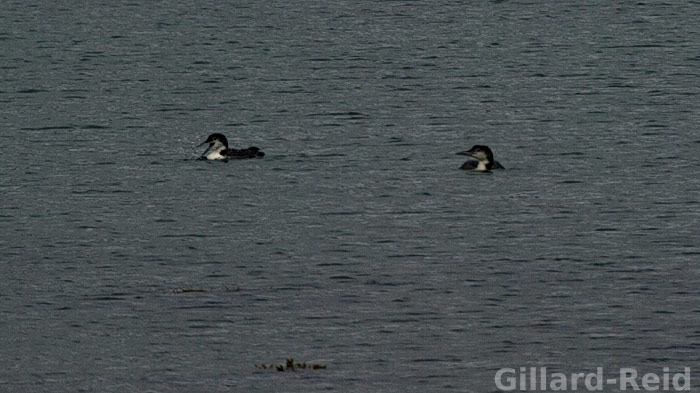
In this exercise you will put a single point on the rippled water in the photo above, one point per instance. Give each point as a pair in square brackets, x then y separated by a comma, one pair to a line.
[129, 266]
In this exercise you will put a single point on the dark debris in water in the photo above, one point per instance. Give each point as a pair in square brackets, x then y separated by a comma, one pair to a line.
[290, 365]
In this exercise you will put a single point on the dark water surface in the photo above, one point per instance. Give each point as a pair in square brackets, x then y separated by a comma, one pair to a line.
[355, 243]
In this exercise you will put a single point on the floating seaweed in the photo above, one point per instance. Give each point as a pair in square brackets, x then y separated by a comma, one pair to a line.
[290, 365]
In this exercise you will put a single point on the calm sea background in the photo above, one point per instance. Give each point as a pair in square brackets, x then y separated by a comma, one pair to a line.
[355, 243]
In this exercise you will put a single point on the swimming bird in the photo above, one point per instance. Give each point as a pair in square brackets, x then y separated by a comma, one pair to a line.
[485, 157]
[218, 149]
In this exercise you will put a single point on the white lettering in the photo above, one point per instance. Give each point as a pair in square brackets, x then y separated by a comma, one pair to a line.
[686, 380]
[543, 378]
[574, 379]
[650, 381]
[627, 377]
[558, 382]
[598, 375]
[509, 380]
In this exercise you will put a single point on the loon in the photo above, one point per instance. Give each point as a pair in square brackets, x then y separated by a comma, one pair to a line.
[218, 149]
[485, 157]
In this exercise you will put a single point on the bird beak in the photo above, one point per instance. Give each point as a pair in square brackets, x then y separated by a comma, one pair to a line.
[208, 148]
[464, 153]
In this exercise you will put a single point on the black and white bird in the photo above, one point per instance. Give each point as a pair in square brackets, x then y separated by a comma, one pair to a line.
[218, 149]
[484, 155]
